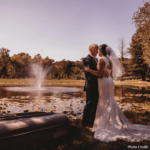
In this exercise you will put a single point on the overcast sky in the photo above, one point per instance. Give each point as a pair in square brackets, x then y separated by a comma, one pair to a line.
[64, 29]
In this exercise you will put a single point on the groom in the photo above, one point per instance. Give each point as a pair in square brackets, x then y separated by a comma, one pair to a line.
[91, 87]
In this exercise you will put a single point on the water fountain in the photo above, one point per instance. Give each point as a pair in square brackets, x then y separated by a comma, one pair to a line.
[40, 73]
[38, 126]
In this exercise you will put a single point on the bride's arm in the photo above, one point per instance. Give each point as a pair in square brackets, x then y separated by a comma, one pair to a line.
[110, 63]
[100, 68]
[111, 70]
[111, 74]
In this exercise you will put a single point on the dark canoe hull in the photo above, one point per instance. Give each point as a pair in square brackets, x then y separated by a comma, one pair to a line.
[21, 131]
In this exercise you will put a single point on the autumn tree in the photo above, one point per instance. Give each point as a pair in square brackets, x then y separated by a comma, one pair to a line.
[47, 62]
[20, 65]
[65, 68]
[37, 59]
[4, 60]
[137, 64]
[141, 18]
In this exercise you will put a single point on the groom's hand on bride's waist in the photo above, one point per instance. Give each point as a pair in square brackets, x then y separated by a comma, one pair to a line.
[105, 74]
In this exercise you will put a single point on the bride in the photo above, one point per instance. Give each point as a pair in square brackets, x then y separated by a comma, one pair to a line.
[110, 123]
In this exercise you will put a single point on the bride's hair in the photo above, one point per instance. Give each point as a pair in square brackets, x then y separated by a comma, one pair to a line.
[102, 48]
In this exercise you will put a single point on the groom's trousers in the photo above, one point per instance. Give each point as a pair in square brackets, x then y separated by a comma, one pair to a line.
[90, 109]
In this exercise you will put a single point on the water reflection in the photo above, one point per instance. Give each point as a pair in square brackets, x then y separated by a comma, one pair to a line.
[66, 100]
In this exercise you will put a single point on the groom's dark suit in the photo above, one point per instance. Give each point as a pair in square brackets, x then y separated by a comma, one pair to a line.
[91, 89]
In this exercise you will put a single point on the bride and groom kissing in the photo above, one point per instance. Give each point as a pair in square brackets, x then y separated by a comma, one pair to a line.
[101, 114]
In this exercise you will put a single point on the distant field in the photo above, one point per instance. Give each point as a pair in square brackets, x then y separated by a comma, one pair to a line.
[67, 82]
[33, 82]
[138, 83]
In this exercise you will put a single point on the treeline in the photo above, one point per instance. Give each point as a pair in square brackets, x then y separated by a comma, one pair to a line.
[20, 66]
[139, 49]
[138, 66]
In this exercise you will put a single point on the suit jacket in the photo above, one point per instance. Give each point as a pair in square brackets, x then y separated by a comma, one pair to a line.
[91, 83]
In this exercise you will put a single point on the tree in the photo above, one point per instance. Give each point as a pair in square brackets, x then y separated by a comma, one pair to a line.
[65, 68]
[137, 65]
[47, 62]
[4, 61]
[37, 59]
[141, 18]
[20, 65]
[122, 49]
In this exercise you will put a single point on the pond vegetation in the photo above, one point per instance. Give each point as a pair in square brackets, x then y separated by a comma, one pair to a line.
[134, 102]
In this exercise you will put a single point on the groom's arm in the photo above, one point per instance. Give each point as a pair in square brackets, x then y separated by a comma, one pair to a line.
[100, 70]
[85, 63]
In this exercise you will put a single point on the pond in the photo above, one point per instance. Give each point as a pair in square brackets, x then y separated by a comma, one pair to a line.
[67, 100]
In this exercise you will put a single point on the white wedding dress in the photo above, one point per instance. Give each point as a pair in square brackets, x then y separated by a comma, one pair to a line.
[110, 123]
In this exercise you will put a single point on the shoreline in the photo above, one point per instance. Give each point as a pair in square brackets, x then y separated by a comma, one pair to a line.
[66, 82]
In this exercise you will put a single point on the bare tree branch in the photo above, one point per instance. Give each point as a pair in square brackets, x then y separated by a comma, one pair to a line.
[122, 48]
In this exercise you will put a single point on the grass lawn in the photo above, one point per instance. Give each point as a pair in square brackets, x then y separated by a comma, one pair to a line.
[138, 83]
[32, 82]
[66, 82]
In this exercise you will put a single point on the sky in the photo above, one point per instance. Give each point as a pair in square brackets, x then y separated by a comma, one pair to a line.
[64, 29]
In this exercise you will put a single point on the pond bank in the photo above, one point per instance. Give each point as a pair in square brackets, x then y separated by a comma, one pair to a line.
[137, 83]
[63, 82]
[33, 82]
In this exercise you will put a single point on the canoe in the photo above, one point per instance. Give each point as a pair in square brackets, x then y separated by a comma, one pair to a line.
[22, 130]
